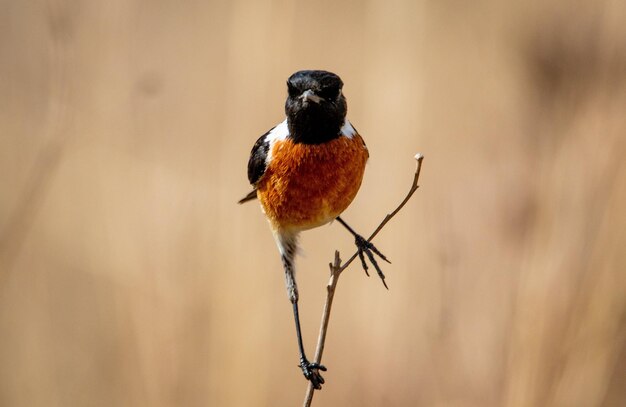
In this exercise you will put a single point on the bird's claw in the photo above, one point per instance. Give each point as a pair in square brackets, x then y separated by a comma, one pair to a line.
[311, 373]
[365, 248]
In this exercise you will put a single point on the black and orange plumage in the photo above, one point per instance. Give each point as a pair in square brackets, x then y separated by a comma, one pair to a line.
[305, 172]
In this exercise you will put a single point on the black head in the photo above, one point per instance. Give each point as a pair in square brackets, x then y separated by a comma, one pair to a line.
[315, 107]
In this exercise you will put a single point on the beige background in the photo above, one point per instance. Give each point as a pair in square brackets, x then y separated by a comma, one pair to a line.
[130, 277]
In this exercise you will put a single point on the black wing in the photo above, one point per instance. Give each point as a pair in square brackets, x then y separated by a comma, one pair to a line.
[258, 155]
[257, 164]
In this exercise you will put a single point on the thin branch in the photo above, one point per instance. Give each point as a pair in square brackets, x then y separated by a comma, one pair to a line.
[336, 268]
[335, 271]
[389, 216]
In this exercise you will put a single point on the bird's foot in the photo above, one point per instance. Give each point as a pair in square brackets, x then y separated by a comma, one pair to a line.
[365, 248]
[311, 373]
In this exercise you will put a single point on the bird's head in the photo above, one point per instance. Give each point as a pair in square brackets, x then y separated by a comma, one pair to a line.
[315, 107]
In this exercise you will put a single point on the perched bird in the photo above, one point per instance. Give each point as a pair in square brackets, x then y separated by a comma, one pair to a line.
[305, 172]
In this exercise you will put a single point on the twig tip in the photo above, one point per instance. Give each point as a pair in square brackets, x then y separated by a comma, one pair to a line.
[419, 156]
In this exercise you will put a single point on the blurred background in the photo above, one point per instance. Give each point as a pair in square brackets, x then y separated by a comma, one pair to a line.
[129, 276]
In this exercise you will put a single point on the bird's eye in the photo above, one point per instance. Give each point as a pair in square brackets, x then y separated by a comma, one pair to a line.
[329, 93]
[293, 91]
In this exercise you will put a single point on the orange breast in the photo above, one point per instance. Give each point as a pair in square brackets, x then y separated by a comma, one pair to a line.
[307, 185]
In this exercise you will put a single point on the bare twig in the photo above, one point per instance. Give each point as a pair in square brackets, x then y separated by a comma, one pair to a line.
[336, 268]
[335, 271]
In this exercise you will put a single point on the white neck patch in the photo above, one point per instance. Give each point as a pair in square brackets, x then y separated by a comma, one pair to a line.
[347, 129]
[278, 133]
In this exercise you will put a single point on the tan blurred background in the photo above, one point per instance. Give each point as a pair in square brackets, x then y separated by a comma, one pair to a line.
[129, 276]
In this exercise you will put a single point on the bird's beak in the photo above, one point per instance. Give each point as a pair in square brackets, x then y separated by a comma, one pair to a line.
[309, 95]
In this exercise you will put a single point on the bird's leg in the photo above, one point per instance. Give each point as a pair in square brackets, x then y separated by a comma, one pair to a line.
[310, 370]
[366, 248]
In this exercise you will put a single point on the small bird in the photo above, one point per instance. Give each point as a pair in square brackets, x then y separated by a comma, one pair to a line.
[305, 172]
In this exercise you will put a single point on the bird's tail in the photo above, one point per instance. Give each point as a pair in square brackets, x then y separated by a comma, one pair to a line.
[251, 195]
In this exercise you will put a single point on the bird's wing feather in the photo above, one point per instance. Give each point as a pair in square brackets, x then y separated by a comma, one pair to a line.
[257, 165]
[258, 159]
[260, 156]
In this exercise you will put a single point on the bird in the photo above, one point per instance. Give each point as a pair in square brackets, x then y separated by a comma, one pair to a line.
[305, 172]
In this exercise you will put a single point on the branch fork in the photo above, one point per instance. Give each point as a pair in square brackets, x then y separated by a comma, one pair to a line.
[336, 268]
